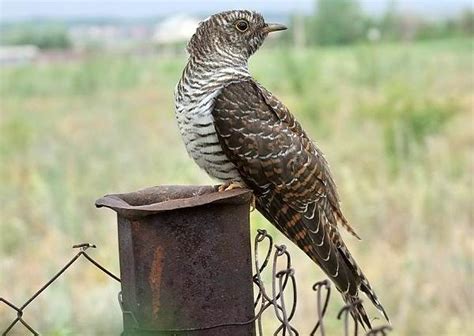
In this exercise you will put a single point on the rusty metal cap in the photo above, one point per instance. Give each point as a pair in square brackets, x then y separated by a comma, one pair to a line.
[158, 199]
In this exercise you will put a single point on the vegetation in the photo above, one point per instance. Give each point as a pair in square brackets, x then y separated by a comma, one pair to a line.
[395, 121]
[337, 22]
[45, 36]
[340, 22]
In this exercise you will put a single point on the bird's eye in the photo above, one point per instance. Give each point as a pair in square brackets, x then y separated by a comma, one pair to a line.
[242, 25]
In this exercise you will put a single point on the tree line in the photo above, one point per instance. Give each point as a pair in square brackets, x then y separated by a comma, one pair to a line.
[339, 22]
[333, 22]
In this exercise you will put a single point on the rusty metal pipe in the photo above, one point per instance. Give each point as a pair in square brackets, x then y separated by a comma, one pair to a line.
[185, 261]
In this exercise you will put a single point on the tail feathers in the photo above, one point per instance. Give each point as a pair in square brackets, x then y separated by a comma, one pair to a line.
[317, 235]
[334, 215]
[345, 224]
[364, 285]
[354, 304]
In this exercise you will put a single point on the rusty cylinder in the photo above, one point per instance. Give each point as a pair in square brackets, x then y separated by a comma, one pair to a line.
[185, 261]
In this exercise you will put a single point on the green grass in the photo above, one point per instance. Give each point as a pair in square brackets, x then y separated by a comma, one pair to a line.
[394, 120]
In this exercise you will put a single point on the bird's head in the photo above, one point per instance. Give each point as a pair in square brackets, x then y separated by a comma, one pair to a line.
[236, 33]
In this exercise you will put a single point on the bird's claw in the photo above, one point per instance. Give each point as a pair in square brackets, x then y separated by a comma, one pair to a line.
[252, 203]
[230, 185]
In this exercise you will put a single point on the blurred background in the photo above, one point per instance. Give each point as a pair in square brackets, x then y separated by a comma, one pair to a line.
[384, 87]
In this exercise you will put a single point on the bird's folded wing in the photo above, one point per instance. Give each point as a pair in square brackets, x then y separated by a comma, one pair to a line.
[289, 178]
[291, 181]
[262, 144]
[265, 141]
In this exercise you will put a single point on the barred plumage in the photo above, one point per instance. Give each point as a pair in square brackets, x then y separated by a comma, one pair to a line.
[238, 131]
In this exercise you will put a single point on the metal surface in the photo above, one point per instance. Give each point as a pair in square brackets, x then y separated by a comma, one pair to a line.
[185, 261]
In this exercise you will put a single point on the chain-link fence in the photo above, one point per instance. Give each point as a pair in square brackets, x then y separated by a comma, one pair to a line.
[284, 280]
[20, 309]
[270, 296]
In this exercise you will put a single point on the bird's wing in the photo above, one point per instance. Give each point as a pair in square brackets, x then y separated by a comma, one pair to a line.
[290, 179]
[324, 174]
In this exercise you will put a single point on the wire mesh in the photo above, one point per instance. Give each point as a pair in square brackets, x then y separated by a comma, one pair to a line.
[83, 247]
[283, 286]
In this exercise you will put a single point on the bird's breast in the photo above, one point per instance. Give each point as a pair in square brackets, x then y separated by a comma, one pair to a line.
[196, 124]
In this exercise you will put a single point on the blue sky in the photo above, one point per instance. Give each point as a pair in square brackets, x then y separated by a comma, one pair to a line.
[15, 9]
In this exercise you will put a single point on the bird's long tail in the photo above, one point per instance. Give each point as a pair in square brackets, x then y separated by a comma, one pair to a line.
[320, 240]
[358, 311]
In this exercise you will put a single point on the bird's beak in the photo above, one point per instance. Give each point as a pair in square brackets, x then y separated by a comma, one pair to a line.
[273, 27]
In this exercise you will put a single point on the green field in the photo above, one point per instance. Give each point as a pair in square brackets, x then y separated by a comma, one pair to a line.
[395, 122]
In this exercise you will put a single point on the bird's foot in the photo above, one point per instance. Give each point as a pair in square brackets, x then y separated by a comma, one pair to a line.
[252, 203]
[230, 185]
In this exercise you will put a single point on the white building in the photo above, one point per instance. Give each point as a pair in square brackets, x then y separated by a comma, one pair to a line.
[18, 54]
[175, 29]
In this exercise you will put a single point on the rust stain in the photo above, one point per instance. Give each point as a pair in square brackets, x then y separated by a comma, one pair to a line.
[154, 280]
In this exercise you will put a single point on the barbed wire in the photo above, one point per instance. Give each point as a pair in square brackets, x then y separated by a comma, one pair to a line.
[283, 285]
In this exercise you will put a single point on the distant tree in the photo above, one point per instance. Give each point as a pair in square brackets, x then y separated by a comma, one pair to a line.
[396, 26]
[429, 31]
[390, 22]
[44, 37]
[462, 25]
[299, 27]
[466, 22]
[338, 22]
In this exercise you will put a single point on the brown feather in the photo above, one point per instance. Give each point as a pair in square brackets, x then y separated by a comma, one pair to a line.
[291, 181]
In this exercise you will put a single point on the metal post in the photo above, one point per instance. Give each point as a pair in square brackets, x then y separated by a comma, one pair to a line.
[185, 261]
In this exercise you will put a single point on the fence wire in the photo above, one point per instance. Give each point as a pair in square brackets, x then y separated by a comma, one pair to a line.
[83, 247]
[283, 286]
[283, 281]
